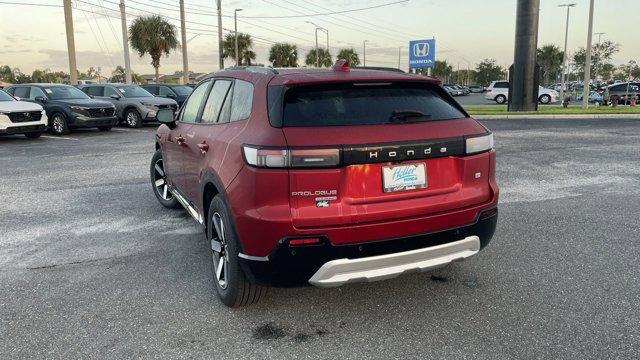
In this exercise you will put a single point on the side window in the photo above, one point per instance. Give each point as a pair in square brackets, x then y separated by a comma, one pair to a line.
[191, 109]
[242, 100]
[152, 89]
[10, 91]
[95, 91]
[501, 85]
[108, 91]
[22, 92]
[164, 91]
[215, 101]
[35, 92]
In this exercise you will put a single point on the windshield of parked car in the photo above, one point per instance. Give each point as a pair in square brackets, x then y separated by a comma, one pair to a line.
[5, 97]
[64, 93]
[365, 104]
[182, 90]
[132, 91]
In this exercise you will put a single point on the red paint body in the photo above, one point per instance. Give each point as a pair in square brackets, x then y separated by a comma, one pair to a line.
[263, 208]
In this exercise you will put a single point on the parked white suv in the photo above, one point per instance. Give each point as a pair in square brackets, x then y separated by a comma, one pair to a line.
[498, 91]
[21, 117]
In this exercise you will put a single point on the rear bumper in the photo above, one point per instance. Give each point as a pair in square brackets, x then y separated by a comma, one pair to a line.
[326, 264]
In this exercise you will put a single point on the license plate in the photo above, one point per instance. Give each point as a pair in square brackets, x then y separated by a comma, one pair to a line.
[404, 177]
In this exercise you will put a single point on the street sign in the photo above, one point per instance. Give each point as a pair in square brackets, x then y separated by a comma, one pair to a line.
[422, 53]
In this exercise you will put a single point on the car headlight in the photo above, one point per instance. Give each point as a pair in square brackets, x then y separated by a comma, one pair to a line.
[79, 108]
[149, 105]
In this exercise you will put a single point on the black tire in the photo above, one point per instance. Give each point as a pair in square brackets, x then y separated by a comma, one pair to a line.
[544, 99]
[33, 135]
[236, 290]
[105, 128]
[159, 182]
[132, 118]
[500, 99]
[58, 124]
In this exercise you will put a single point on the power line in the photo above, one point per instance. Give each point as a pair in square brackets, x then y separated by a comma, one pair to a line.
[29, 4]
[327, 13]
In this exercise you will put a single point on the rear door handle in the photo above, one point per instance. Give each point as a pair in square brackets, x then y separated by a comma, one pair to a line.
[204, 147]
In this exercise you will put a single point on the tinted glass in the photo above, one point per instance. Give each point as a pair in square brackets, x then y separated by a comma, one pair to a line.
[192, 107]
[21, 92]
[182, 90]
[5, 97]
[164, 91]
[501, 85]
[64, 93]
[360, 104]
[242, 100]
[133, 91]
[215, 100]
[35, 92]
[152, 89]
[95, 91]
[108, 91]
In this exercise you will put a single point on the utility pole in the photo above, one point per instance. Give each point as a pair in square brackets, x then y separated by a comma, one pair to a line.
[71, 45]
[399, 52]
[125, 43]
[318, 27]
[596, 63]
[364, 53]
[235, 22]
[564, 57]
[185, 59]
[317, 54]
[587, 63]
[220, 52]
[523, 94]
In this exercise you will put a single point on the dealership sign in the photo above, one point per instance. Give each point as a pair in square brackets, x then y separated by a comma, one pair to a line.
[422, 53]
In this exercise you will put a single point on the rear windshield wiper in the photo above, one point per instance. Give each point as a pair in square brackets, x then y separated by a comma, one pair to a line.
[407, 115]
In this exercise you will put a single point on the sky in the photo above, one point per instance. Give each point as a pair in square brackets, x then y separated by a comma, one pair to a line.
[466, 31]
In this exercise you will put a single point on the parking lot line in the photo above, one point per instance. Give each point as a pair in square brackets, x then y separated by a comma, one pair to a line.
[59, 137]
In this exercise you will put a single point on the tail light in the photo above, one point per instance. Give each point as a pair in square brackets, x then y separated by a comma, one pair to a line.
[270, 157]
[488, 90]
[479, 144]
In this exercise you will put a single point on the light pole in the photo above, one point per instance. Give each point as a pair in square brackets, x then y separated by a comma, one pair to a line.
[220, 52]
[235, 22]
[596, 64]
[564, 57]
[364, 53]
[399, 52]
[125, 43]
[587, 63]
[318, 27]
[185, 59]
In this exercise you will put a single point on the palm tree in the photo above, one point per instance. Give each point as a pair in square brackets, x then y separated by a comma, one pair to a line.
[442, 70]
[155, 36]
[324, 57]
[550, 61]
[283, 55]
[350, 55]
[245, 43]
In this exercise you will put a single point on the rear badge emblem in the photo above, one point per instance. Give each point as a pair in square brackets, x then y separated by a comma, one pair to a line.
[322, 203]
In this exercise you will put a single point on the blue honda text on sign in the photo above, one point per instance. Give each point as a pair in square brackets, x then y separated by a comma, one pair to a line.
[422, 53]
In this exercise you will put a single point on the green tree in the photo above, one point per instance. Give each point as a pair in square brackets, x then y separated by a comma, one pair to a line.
[324, 57]
[284, 55]
[442, 70]
[601, 54]
[119, 76]
[350, 55]
[7, 74]
[155, 36]
[487, 71]
[549, 57]
[245, 45]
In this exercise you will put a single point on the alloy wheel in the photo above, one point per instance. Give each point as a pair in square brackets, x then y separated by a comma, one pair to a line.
[132, 119]
[220, 253]
[58, 124]
[160, 181]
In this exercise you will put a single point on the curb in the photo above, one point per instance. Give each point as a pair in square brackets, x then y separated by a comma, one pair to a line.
[557, 116]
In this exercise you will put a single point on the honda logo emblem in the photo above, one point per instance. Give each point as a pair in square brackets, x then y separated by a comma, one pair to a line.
[421, 49]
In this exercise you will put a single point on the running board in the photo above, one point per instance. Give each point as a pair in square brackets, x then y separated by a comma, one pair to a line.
[187, 205]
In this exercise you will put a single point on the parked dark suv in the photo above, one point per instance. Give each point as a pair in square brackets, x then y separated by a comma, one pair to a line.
[326, 177]
[67, 107]
[179, 93]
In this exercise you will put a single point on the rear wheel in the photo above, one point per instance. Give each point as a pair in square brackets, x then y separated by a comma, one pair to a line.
[545, 99]
[232, 286]
[58, 124]
[159, 182]
[133, 119]
[33, 135]
[500, 99]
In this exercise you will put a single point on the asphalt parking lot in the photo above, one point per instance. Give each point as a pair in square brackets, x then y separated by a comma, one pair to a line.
[91, 266]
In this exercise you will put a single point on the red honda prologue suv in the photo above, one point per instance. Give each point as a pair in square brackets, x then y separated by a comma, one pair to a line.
[326, 176]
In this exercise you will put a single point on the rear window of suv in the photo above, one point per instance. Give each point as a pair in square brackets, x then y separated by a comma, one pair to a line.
[364, 104]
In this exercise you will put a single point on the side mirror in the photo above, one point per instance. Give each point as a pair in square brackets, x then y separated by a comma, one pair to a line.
[166, 116]
[115, 97]
[41, 99]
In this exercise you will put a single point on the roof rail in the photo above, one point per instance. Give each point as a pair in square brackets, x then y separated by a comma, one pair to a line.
[255, 69]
